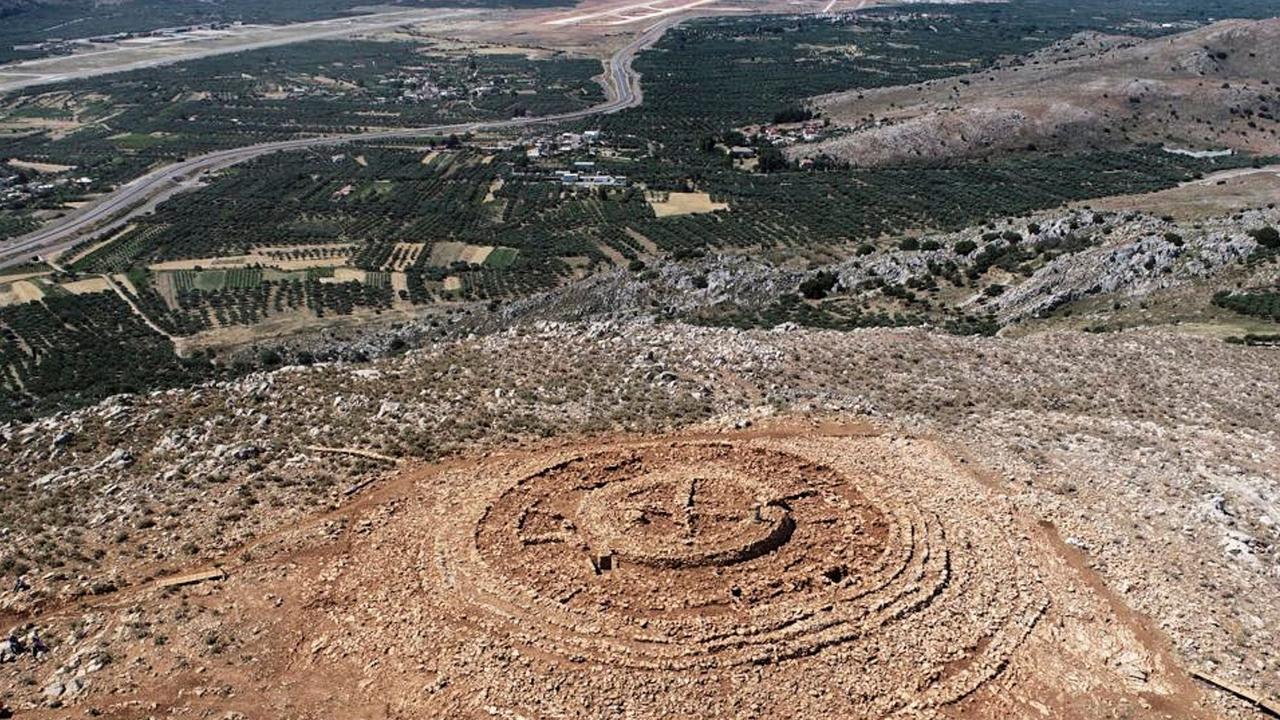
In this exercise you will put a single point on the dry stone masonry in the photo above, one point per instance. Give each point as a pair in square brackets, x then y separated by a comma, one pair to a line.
[749, 576]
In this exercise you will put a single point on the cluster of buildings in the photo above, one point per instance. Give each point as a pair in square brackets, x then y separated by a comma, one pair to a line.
[15, 189]
[445, 83]
[419, 88]
[579, 173]
[584, 173]
[402, 87]
[566, 142]
[788, 134]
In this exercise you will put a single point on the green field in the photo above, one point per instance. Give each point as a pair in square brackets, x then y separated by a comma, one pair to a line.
[14, 223]
[502, 258]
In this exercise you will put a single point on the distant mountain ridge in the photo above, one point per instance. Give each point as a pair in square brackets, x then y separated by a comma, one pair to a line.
[1208, 89]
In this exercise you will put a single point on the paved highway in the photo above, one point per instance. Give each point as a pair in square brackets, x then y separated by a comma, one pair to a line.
[116, 208]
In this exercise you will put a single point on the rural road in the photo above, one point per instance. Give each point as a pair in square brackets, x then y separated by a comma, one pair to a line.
[113, 210]
[1215, 178]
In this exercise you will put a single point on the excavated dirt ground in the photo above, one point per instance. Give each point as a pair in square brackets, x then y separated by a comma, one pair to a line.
[800, 570]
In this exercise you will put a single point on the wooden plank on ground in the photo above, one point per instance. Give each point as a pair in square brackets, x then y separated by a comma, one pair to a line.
[1270, 707]
[191, 578]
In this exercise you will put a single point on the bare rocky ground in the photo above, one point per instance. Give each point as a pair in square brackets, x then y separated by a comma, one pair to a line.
[1135, 473]
[1154, 454]
[1108, 506]
[1207, 89]
[1069, 259]
[813, 569]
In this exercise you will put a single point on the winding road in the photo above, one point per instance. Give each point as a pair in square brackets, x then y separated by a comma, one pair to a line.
[113, 210]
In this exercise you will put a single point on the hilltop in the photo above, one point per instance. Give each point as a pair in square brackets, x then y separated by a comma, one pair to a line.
[1201, 91]
[1107, 437]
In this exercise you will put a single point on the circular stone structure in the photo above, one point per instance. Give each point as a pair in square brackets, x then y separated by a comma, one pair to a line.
[679, 516]
[868, 577]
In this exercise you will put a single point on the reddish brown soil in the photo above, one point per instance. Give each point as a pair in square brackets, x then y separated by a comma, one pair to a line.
[803, 570]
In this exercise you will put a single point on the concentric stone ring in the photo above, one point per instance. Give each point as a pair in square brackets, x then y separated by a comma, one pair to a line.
[878, 574]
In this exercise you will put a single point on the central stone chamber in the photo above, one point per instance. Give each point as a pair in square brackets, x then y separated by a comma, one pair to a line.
[682, 531]
[684, 517]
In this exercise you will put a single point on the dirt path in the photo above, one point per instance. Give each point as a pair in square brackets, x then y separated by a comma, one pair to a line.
[138, 311]
[1214, 178]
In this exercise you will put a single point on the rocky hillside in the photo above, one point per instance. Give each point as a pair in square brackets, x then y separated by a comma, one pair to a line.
[1210, 89]
[1108, 437]
[1012, 271]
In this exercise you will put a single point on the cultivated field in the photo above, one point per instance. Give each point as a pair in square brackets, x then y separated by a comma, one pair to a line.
[956, 399]
[683, 203]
